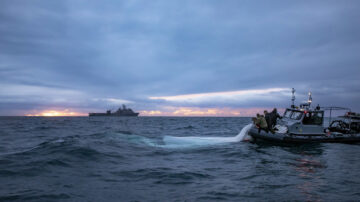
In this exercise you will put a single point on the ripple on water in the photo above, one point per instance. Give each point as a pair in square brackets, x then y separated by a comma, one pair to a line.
[126, 159]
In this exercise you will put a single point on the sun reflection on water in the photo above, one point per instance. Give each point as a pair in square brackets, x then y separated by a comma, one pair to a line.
[308, 169]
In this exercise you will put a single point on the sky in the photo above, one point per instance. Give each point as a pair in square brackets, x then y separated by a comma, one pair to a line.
[177, 58]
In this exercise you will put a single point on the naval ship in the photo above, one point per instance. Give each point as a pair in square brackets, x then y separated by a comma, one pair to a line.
[120, 112]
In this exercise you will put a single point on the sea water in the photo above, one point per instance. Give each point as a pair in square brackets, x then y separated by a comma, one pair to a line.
[165, 159]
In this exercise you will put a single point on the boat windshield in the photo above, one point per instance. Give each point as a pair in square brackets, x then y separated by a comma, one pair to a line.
[291, 114]
[296, 115]
[287, 113]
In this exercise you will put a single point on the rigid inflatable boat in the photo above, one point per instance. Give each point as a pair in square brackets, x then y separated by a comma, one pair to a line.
[304, 124]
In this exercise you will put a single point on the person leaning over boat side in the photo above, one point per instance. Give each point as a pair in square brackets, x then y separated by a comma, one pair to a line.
[273, 117]
[261, 123]
[256, 120]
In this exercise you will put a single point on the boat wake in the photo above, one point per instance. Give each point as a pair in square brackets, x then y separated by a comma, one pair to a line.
[173, 142]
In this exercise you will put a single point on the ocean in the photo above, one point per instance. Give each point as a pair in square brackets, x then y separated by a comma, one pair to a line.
[165, 159]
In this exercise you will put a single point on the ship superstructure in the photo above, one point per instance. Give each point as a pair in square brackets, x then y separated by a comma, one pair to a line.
[120, 112]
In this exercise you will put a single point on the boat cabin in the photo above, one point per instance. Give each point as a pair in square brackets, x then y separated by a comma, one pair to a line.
[306, 117]
[304, 120]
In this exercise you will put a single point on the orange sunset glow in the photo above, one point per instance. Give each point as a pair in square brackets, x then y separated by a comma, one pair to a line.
[170, 111]
[65, 112]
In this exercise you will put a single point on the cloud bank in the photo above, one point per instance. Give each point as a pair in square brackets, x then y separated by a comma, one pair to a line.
[154, 55]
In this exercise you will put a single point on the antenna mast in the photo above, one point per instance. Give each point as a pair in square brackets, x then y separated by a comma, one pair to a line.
[293, 98]
[310, 99]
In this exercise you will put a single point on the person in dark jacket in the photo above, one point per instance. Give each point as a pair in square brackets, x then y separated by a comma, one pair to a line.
[273, 117]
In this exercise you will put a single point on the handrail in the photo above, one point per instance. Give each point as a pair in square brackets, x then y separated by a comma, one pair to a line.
[335, 108]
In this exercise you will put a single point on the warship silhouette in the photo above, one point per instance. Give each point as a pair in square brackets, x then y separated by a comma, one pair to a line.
[120, 112]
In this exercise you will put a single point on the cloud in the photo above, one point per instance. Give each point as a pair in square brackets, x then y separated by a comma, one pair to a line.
[112, 101]
[26, 93]
[90, 54]
[242, 96]
[197, 111]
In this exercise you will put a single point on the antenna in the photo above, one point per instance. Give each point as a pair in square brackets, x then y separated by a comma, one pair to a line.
[293, 98]
[310, 99]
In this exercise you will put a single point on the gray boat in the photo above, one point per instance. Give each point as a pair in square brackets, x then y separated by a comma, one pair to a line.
[120, 112]
[305, 124]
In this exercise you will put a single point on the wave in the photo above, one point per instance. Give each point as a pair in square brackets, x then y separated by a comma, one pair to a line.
[189, 127]
[35, 197]
[162, 175]
[70, 146]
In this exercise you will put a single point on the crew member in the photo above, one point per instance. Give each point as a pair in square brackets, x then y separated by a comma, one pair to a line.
[261, 123]
[273, 117]
[268, 119]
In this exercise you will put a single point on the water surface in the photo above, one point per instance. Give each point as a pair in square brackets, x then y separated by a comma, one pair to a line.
[165, 159]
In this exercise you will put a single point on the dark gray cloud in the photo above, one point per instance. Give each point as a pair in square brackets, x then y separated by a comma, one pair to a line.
[74, 53]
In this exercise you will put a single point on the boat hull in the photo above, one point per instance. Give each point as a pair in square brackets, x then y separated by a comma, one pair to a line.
[303, 138]
[106, 114]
